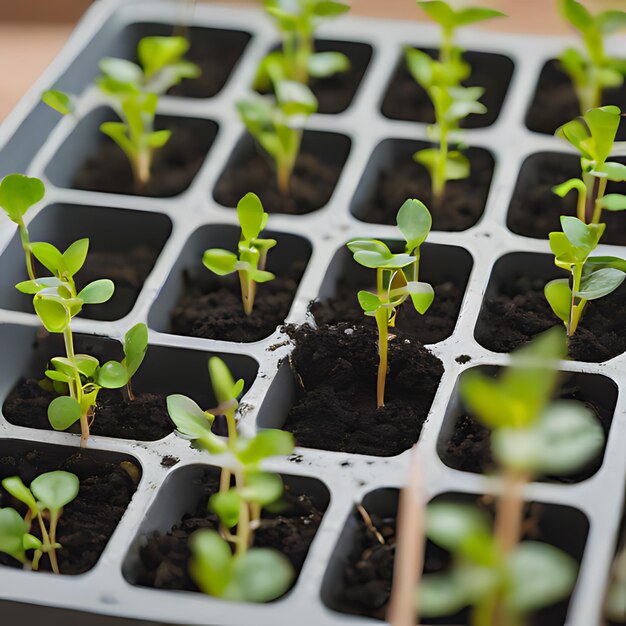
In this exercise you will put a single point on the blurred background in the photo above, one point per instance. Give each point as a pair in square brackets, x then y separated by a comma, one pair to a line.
[33, 31]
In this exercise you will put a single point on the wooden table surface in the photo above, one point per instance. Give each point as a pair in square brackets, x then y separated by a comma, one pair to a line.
[33, 31]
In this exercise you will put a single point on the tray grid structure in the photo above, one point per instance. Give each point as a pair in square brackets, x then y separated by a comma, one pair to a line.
[104, 589]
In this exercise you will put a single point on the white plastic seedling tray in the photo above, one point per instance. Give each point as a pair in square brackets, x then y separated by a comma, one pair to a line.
[29, 141]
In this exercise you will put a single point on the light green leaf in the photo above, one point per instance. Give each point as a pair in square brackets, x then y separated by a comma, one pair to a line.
[158, 138]
[251, 216]
[53, 314]
[325, 64]
[135, 347]
[263, 488]
[369, 302]
[422, 295]
[330, 8]
[440, 595]
[63, 412]
[472, 15]
[576, 14]
[49, 256]
[414, 222]
[211, 564]
[194, 423]
[18, 193]
[224, 386]
[112, 375]
[155, 53]
[559, 297]
[294, 98]
[12, 531]
[613, 202]
[97, 292]
[35, 286]
[615, 172]
[219, 261]
[262, 575]
[420, 65]
[54, 490]
[121, 70]
[227, 506]
[600, 283]
[267, 443]
[59, 101]
[15, 486]
[449, 525]
[75, 255]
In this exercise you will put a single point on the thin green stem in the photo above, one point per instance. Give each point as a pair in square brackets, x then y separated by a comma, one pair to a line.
[243, 524]
[382, 322]
[597, 211]
[25, 239]
[576, 309]
[52, 554]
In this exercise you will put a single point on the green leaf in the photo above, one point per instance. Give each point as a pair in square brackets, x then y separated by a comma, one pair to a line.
[263, 488]
[31, 542]
[49, 256]
[251, 216]
[449, 525]
[439, 11]
[420, 65]
[63, 412]
[540, 576]
[267, 443]
[294, 98]
[86, 364]
[422, 295]
[414, 222]
[59, 101]
[158, 138]
[610, 22]
[615, 172]
[326, 64]
[35, 286]
[472, 15]
[135, 347]
[227, 506]
[75, 255]
[370, 302]
[375, 254]
[194, 423]
[576, 14]
[121, 70]
[97, 292]
[559, 297]
[112, 375]
[155, 53]
[603, 123]
[18, 193]
[55, 489]
[12, 531]
[211, 564]
[440, 595]
[15, 486]
[219, 261]
[330, 8]
[262, 575]
[224, 386]
[53, 313]
[581, 235]
[613, 202]
[600, 283]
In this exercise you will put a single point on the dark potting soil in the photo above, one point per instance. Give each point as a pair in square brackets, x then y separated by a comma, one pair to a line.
[555, 101]
[87, 522]
[174, 165]
[407, 100]
[517, 311]
[312, 183]
[211, 307]
[290, 530]
[468, 448]
[435, 325]
[367, 576]
[535, 209]
[335, 94]
[335, 370]
[145, 418]
[461, 206]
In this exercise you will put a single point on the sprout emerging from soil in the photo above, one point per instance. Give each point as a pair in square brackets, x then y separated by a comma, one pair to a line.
[45, 499]
[594, 70]
[250, 264]
[223, 563]
[297, 59]
[77, 378]
[441, 79]
[277, 124]
[593, 135]
[17, 194]
[592, 277]
[397, 279]
[133, 91]
[502, 579]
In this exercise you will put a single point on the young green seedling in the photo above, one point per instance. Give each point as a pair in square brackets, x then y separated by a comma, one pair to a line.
[502, 579]
[224, 564]
[17, 194]
[441, 79]
[501, 587]
[594, 70]
[593, 135]
[252, 258]
[297, 60]
[592, 277]
[397, 279]
[277, 124]
[45, 499]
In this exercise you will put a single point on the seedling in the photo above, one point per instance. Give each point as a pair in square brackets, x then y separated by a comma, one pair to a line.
[592, 277]
[505, 580]
[250, 264]
[594, 70]
[397, 279]
[223, 563]
[593, 136]
[45, 499]
[17, 194]
[441, 79]
[277, 124]
[133, 92]
[297, 60]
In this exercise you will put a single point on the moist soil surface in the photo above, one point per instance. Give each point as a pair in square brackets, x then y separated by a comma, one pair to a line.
[211, 307]
[435, 325]
[460, 207]
[174, 165]
[335, 370]
[312, 183]
[335, 93]
[518, 310]
[87, 522]
[145, 418]
[290, 530]
[407, 100]
[555, 101]
[365, 587]
[469, 446]
[535, 209]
